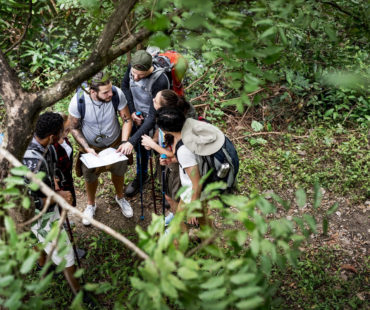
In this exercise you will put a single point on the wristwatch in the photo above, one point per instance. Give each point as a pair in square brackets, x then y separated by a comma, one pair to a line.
[123, 141]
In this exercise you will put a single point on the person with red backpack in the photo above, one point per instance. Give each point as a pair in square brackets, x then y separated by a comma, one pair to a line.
[141, 83]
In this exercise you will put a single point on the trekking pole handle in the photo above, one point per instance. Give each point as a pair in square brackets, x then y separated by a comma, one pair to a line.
[163, 156]
[138, 113]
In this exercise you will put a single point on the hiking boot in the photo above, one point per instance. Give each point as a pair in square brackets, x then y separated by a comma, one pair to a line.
[89, 212]
[133, 188]
[125, 207]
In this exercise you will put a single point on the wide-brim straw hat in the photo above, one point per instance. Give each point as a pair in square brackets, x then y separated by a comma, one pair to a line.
[201, 138]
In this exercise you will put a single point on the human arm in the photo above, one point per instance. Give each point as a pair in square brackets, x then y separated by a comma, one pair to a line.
[160, 84]
[125, 86]
[194, 175]
[146, 126]
[125, 148]
[148, 142]
[79, 137]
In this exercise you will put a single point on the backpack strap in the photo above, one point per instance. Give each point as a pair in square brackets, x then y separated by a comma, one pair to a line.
[155, 76]
[81, 106]
[115, 98]
[178, 145]
[81, 103]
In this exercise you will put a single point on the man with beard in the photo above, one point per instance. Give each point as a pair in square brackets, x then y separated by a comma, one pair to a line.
[95, 127]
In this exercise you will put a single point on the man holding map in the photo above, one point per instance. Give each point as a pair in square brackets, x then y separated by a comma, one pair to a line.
[95, 126]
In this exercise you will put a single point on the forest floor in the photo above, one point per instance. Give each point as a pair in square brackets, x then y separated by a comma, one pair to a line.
[333, 272]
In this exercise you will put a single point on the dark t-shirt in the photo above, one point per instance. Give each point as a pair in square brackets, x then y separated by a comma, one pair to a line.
[149, 122]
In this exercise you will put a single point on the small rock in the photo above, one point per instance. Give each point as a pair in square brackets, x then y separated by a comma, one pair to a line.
[338, 213]
[289, 218]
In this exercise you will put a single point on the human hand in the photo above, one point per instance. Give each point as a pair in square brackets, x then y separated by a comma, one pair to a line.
[138, 119]
[91, 151]
[167, 161]
[148, 142]
[193, 221]
[125, 148]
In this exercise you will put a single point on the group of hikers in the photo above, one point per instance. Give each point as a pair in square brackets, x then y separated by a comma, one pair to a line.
[156, 118]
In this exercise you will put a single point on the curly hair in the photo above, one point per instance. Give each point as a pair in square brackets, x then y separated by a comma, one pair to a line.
[48, 124]
[99, 79]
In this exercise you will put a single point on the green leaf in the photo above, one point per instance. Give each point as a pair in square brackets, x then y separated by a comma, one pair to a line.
[26, 202]
[20, 171]
[234, 264]
[183, 242]
[270, 31]
[213, 294]
[213, 282]
[256, 126]
[176, 282]
[220, 43]
[29, 263]
[255, 247]
[11, 191]
[310, 221]
[6, 280]
[242, 278]
[33, 186]
[246, 292]
[168, 289]
[187, 274]
[317, 195]
[252, 303]
[332, 209]
[300, 197]
[241, 237]
[14, 180]
[161, 40]
[325, 225]
[44, 283]
[11, 230]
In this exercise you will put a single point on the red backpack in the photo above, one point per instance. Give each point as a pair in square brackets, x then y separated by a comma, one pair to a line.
[175, 65]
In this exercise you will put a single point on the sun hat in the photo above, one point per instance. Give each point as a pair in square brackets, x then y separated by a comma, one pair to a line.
[141, 60]
[201, 138]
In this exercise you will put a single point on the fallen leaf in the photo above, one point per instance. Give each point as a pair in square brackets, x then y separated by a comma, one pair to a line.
[348, 267]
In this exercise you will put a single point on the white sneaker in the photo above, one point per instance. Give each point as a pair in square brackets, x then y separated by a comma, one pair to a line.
[125, 207]
[89, 212]
[168, 219]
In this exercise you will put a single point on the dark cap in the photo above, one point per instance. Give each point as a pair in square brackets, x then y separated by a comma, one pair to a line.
[141, 61]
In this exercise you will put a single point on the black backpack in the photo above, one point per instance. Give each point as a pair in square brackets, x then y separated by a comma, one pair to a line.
[224, 164]
[81, 106]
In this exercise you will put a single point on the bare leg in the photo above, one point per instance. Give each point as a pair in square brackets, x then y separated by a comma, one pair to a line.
[173, 204]
[91, 191]
[72, 281]
[118, 183]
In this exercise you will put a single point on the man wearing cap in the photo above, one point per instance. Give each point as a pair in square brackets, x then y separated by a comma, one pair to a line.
[141, 83]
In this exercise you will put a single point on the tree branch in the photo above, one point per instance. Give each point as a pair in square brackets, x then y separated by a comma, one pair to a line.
[66, 206]
[25, 29]
[103, 44]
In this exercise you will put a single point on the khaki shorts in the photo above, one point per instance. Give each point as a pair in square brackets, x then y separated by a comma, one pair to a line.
[91, 175]
[40, 229]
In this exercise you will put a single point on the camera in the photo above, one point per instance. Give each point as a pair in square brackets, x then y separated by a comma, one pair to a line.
[100, 138]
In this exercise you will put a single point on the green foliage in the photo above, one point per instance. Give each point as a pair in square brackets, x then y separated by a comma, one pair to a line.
[234, 272]
[335, 158]
[301, 287]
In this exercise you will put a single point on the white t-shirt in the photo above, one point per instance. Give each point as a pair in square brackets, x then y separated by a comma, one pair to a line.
[186, 159]
[100, 119]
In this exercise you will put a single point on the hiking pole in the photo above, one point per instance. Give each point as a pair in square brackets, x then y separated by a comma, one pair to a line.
[140, 175]
[69, 229]
[152, 177]
[163, 156]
